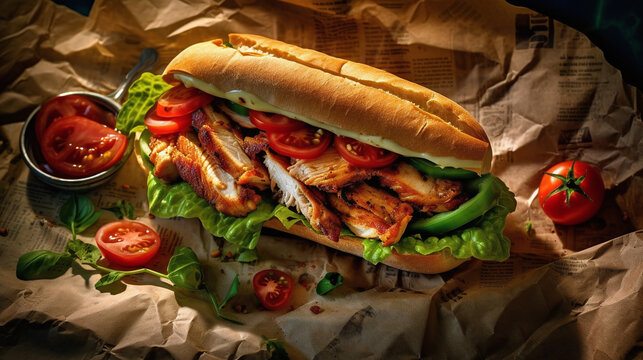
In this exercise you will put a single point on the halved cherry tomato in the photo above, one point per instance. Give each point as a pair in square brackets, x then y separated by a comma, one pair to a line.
[164, 125]
[69, 105]
[77, 146]
[274, 122]
[179, 101]
[273, 288]
[361, 154]
[128, 243]
[304, 143]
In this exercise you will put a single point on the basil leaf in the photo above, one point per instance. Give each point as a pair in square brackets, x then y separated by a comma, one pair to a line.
[232, 291]
[84, 208]
[78, 213]
[122, 209]
[82, 226]
[330, 281]
[86, 253]
[184, 269]
[68, 213]
[110, 278]
[42, 264]
[276, 349]
[248, 256]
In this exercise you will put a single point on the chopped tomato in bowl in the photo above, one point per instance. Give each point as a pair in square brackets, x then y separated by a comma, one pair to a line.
[85, 163]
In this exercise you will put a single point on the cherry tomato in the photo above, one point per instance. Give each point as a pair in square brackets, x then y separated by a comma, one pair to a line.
[77, 146]
[571, 192]
[361, 154]
[303, 143]
[274, 122]
[70, 105]
[127, 243]
[164, 125]
[273, 288]
[179, 101]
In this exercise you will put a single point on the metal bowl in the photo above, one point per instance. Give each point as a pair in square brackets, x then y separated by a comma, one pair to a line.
[32, 155]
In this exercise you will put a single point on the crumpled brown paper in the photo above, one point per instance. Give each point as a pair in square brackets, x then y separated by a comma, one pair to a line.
[540, 89]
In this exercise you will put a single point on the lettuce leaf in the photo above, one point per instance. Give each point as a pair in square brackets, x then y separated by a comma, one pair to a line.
[179, 199]
[141, 96]
[482, 239]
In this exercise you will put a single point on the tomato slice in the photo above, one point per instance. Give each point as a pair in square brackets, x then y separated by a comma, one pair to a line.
[77, 146]
[273, 288]
[128, 243]
[274, 122]
[179, 101]
[304, 143]
[163, 125]
[70, 105]
[361, 154]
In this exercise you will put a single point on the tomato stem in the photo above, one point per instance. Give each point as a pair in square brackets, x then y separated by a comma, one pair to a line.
[570, 184]
[131, 272]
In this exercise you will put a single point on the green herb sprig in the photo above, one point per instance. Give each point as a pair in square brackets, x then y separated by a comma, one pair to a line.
[78, 214]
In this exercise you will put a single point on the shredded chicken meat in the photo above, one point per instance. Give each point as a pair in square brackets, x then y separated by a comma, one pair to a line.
[162, 156]
[307, 200]
[372, 213]
[224, 141]
[328, 172]
[201, 170]
[424, 192]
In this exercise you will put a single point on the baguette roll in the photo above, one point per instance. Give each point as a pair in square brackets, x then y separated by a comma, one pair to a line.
[435, 263]
[344, 97]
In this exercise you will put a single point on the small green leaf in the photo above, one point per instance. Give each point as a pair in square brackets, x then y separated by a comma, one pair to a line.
[82, 226]
[110, 278]
[42, 264]
[276, 349]
[184, 269]
[330, 281]
[232, 291]
[68, 213]
[122, 209]
[528, 227]
[86, 253]
[78, 213]
[248, 256]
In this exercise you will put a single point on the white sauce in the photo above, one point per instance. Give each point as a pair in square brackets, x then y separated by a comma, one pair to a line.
[251, 101]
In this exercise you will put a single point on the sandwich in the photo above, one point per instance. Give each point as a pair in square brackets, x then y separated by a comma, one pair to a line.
[255, 133]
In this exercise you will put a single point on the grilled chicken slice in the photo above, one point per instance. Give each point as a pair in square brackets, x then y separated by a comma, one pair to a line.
[221, 139]
[378, 219]
[202, 171]
[424, 192]
[255, 145]
[162, 156]
[328, 172]
[363, 206]
[308, 201]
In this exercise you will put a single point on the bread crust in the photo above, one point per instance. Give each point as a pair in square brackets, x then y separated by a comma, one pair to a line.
[425, 264]
[351, 96]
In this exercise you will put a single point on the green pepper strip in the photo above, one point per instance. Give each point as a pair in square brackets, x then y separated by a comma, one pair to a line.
[485, 199]
[239, 109]
[436, 171]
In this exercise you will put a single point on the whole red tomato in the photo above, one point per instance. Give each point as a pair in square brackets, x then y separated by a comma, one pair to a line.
[571, 192]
